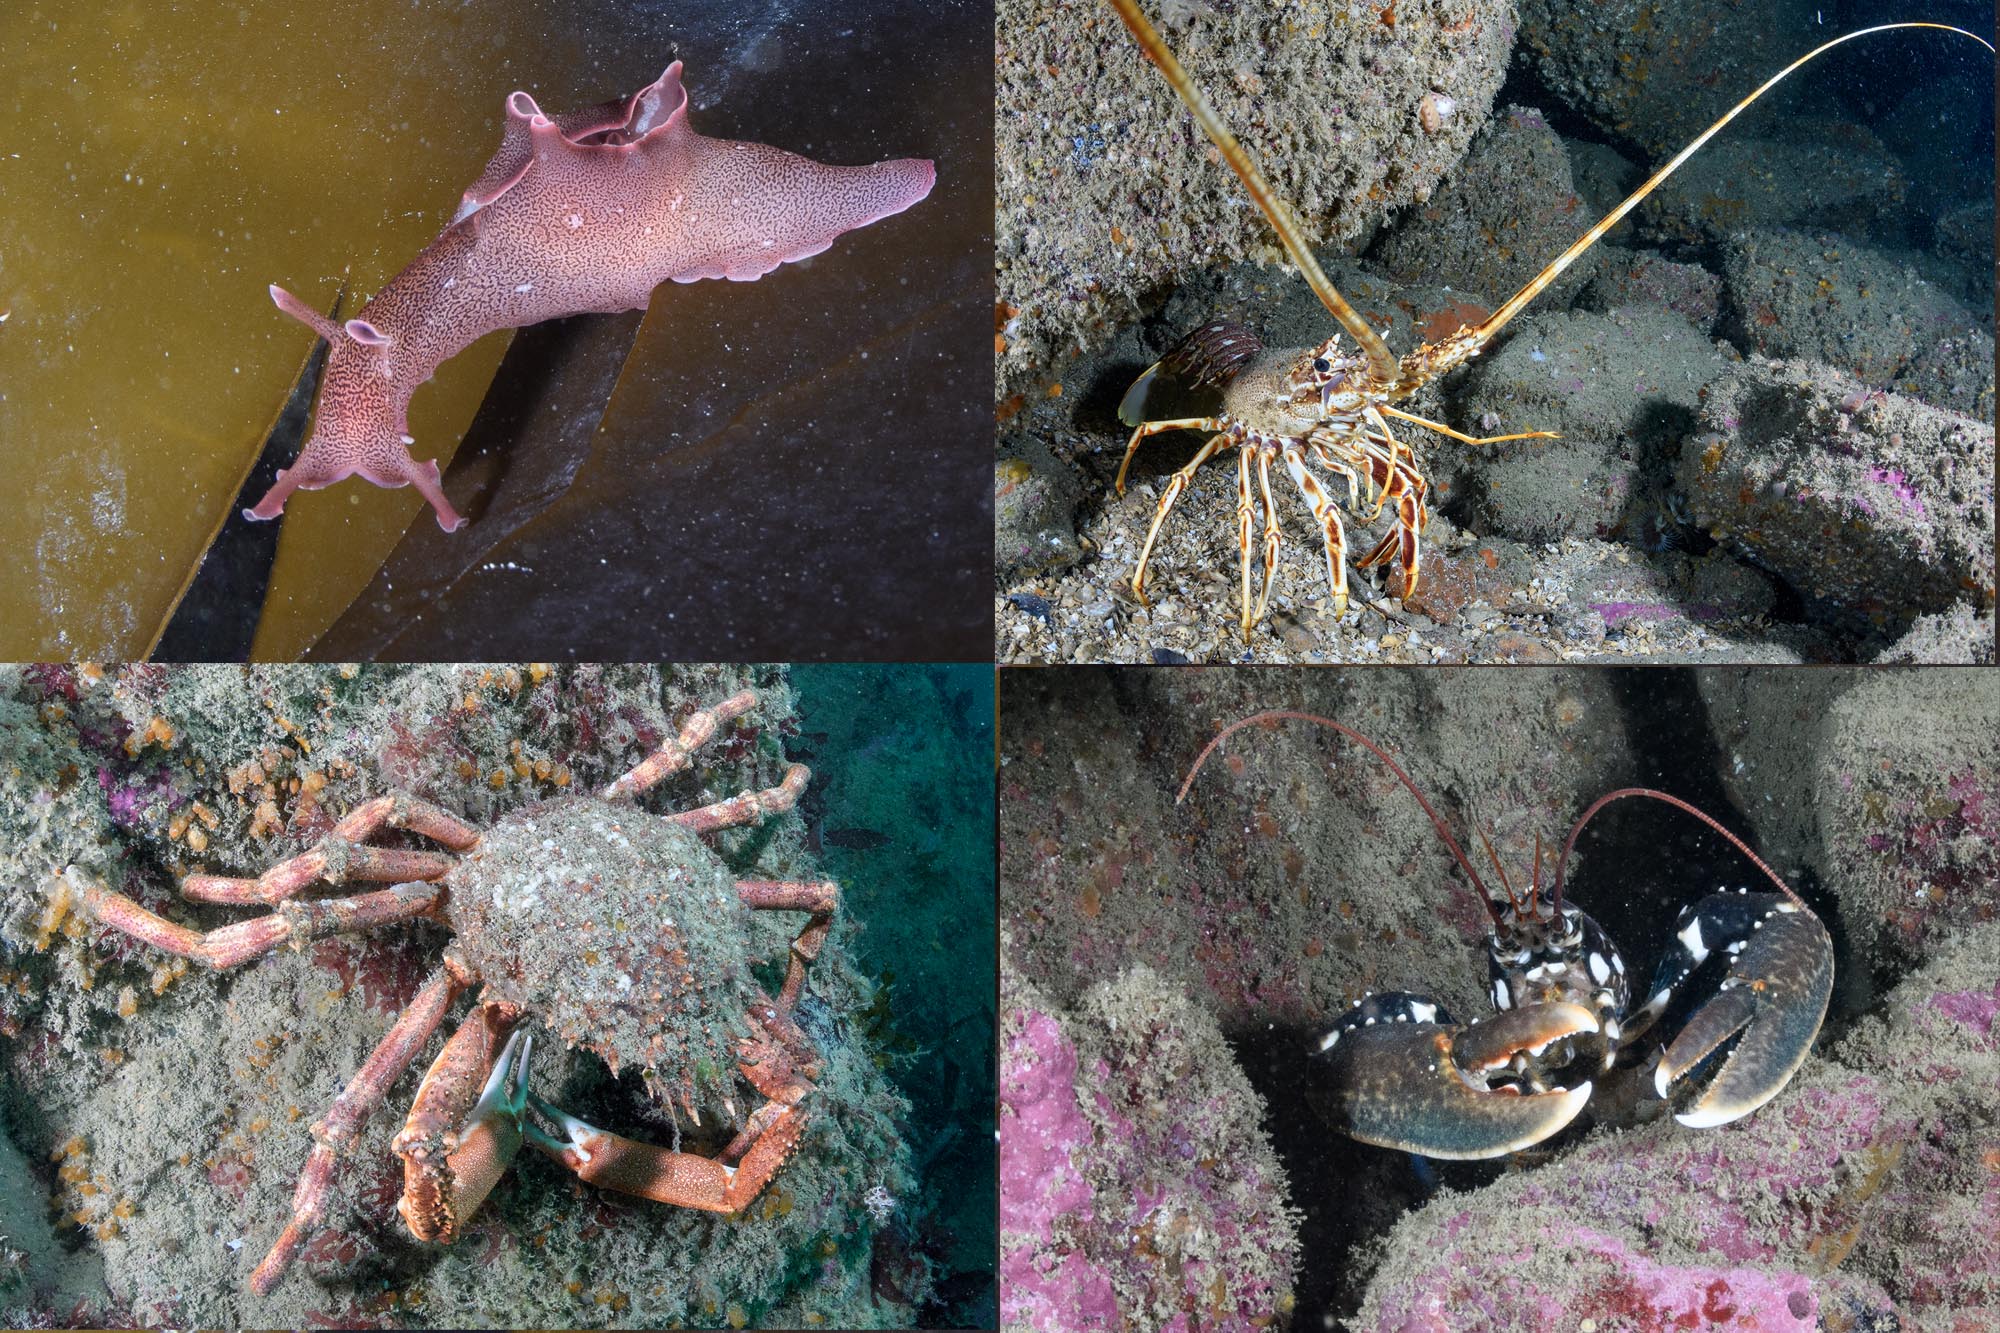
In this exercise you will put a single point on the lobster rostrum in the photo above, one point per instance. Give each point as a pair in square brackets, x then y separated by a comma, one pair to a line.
[1405, 1074]
[1329, 406]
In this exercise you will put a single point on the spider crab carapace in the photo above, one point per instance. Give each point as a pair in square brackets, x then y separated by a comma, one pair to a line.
[541, 906]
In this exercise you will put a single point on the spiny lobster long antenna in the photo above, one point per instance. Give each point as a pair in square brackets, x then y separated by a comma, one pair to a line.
[1678, 804]
[1499, 318]
[1380, 361]
[1281, 714]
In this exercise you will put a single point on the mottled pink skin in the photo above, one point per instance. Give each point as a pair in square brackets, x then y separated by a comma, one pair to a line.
[578, 213]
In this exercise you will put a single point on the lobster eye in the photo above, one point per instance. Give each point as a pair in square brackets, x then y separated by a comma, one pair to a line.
[1320, 364]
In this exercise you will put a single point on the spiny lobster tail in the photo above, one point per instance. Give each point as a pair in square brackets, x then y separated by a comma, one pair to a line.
[1678, 804]
[1284, 714]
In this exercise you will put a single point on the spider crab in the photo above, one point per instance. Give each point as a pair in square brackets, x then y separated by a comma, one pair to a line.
[1404, 1074]
[620, 930]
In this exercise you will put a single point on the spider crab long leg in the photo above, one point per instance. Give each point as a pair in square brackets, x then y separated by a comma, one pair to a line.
[232, 945]
[748, 807]
[340, 857]
[674, 755]
[334, 1134]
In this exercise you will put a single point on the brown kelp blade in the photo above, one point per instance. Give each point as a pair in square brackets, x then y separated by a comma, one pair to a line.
[213, 618]
[1380, 360]
[1482, 333]
[519, 457]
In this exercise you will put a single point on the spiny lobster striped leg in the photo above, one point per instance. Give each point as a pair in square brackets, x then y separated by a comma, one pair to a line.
[1326, 459]
[1146, 428]
[1175, 485]
[1328, 517]
[1271, 538]
[1410, 518]
[1372, 441]
[1383, 474]
[1243, 529]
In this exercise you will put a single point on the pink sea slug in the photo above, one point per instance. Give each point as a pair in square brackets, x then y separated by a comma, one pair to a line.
[583, 212]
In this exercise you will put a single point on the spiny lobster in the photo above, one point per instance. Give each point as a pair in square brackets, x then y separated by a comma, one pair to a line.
[1327, 404]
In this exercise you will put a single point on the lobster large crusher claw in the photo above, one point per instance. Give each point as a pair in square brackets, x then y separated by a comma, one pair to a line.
[1405, 1076]
[1769, 1005]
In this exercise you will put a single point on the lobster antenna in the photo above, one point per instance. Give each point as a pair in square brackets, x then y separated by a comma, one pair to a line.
[1437, 822]
[1478, 827]
[1481, 334]
[1678, 804]
[1380, 360]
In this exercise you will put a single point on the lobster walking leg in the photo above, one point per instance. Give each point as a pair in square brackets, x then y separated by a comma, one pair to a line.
[1327, 515]
[1271, 539]
[1146, 428]
[1243, 531]
[1175, 485]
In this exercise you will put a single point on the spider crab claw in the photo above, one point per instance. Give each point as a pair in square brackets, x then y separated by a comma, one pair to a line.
[447, 1176]
[1770, 1005]
[1422, 1086]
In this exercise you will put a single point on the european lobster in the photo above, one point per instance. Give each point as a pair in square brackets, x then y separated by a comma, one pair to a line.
[1403, 1073]
[1327, 404]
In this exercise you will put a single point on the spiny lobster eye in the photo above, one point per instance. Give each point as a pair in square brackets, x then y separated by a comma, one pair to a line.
[1320, 364]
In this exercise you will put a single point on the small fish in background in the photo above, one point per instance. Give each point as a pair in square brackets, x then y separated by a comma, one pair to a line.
[854, 839]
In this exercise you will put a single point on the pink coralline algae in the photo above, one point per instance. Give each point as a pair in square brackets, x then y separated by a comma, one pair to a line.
[1900, 487]
[1136, 1190]
[576, 213]
[1039, 1178]
[1620, 1286]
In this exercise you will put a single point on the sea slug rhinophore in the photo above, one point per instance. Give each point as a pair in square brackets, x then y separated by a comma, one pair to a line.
[576, 213]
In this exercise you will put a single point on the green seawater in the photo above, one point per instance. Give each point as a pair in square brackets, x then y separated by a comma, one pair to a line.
[901, 809]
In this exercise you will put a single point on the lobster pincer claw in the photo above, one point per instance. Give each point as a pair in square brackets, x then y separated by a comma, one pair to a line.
[1770, 1004]
[1423, 1086]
